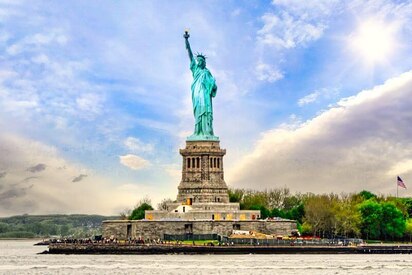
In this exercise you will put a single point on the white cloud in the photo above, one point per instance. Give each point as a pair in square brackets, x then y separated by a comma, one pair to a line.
[289, 25]
[42, 85]
[295, 23]
[10, 9]
[307, 9]
[401, 167]
[308, 98]
[133, 162]
[90, 104]
[293, 123]
[41, 59]
[36, 179]
[7, 74]
[361, 144]
[266, 72]
[316, 95]
[136, 145]
[285, 31]
[32, 42]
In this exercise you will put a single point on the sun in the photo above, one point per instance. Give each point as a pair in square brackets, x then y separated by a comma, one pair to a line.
[374, 41]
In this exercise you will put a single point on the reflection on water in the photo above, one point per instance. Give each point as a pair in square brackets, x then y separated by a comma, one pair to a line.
[20, 257]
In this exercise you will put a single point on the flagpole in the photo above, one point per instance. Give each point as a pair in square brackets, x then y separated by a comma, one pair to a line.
[397, 187]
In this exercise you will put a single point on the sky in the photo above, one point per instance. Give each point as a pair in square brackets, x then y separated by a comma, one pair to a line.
[95, 98]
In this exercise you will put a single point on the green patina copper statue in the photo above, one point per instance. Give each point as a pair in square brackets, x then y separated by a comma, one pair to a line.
[203, 89]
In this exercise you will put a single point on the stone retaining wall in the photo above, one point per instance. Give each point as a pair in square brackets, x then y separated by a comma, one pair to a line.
[148, 229]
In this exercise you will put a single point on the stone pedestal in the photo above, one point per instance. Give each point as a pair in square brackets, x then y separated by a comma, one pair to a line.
[202, 205]
[202, 173]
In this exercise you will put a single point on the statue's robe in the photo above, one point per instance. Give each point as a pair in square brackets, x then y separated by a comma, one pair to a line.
[203, 89]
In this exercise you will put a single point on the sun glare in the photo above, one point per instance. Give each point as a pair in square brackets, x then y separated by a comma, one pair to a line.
[374, 41]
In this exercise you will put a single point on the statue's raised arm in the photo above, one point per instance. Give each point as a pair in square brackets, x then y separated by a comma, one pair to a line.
[189, 50]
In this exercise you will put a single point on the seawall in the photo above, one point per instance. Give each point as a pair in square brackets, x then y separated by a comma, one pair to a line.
[93, 248]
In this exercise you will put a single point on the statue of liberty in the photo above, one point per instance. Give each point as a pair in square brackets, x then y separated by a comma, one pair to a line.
[203, 89]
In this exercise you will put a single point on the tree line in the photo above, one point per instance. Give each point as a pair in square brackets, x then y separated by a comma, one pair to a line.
[356, 215]
[362, 214]
[31, 226]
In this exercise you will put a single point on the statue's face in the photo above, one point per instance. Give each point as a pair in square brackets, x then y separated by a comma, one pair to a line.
[201, 62]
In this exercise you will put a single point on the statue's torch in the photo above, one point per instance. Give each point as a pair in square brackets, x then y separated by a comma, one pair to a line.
[186, 35]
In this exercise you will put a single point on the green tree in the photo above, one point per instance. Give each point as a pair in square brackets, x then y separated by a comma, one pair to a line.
[347, 216]
[400, 203]
[64, 230]
[408, 205]
[319, 213]
[4, 227]
[37, 228]
[371, 212]
[138, 212]
[392, 221]
[235, 195]
[49, 228]
[291, 202]
[264, 212]
[366, 195]
[251, 198]
[296, 213]
[277, 198]
[408, 229]
[276, 212]
[306, 229]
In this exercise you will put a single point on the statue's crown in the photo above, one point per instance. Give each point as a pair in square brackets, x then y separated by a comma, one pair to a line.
[201, 55]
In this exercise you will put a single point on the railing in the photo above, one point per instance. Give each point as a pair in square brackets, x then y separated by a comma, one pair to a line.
[294, 242]
[191, 237]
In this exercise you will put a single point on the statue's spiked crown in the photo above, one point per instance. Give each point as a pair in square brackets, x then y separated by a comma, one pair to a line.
[201, 55]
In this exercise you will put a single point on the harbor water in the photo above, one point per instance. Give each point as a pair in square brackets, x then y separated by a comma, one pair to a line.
[21, 257]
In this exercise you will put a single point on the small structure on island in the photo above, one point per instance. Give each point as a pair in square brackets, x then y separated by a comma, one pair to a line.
[202, 206]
